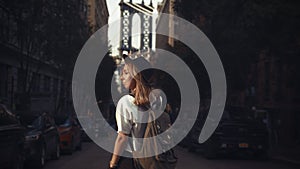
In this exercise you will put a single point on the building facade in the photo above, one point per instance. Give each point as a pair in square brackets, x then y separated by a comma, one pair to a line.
[36, 64]
[97, 14]
[273, 86]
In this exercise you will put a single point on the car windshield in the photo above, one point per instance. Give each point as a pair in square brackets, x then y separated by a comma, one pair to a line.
[6, 117]
[32, 121]
[63, 121]
[37, 123]
[237, 114]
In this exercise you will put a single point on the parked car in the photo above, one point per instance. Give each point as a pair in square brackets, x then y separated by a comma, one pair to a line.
[69, 132]
[11, 140]
[236, 132]
[84, 129]
[41, 140]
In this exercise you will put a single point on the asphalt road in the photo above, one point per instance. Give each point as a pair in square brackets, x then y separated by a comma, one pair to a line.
[93, 157]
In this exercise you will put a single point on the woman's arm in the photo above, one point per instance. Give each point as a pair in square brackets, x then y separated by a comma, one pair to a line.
[120, 144]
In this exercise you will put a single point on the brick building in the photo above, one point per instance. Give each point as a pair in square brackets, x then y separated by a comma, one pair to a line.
[273, 85]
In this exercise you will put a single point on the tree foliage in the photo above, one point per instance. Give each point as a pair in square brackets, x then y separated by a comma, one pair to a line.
[43, 33]
[241, 29]
[50, 31]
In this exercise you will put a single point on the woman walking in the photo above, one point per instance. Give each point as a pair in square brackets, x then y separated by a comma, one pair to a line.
[129, 111]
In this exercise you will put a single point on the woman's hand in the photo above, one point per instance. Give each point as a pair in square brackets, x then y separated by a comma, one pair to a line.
[113, 165]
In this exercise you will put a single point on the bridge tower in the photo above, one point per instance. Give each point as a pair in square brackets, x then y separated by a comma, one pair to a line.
[145, 12]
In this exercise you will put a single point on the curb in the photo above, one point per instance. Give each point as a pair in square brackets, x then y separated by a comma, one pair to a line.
[285, 160]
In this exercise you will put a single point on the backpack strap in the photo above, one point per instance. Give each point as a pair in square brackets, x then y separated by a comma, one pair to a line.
[152, 131]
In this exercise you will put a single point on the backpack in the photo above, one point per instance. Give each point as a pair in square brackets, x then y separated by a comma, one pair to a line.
[166, 160]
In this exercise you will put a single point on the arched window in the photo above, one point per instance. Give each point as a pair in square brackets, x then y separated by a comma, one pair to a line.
[136, 31]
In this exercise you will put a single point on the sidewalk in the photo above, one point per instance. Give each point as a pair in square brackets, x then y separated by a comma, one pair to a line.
[289, 155]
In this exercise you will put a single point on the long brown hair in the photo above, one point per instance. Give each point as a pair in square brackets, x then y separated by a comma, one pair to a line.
[142, 88]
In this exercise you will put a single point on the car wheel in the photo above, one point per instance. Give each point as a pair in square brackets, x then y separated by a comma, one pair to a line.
[210, 151]
[79, 145]
[192, 149]
[42, 158]
[209, 154]
[56, 154]
[262, 155]
[72, 147]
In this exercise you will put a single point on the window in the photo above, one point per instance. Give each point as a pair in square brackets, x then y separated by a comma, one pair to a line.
[21, 80]
[47, 83]
[68, 90]
[55, 85]
[278, 93]
[267, 81]
[62, 88]
[3, 80]
[35, 84]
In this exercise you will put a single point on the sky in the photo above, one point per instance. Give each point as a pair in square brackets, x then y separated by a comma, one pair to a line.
[114, 25]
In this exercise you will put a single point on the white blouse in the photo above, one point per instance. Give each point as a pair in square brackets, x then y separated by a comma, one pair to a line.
[131, 120]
